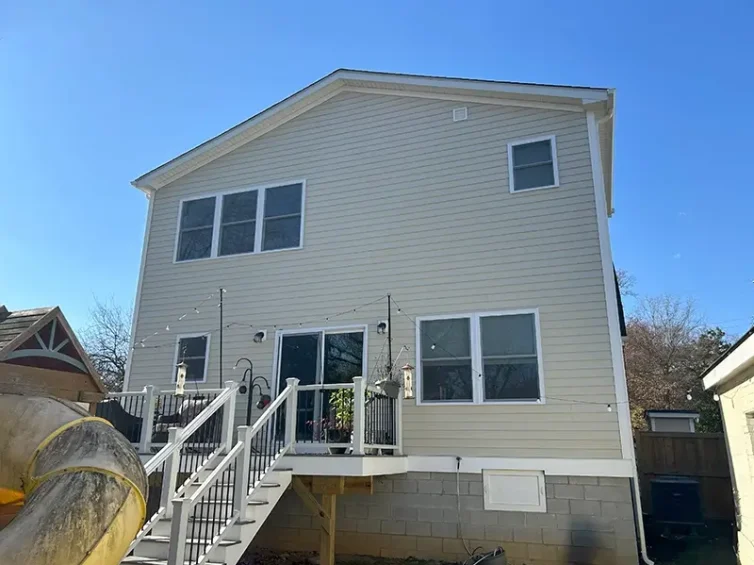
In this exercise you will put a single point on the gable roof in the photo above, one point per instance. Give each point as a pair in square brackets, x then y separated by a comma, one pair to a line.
[559, 97]
[21, 345]
[13, 324]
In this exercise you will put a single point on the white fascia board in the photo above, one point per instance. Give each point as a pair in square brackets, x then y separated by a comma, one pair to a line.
[734, 364]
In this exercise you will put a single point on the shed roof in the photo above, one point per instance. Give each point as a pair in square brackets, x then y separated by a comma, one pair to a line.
[13, 324]
[40, 354]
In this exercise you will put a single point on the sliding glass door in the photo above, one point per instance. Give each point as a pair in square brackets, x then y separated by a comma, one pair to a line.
[330, 356]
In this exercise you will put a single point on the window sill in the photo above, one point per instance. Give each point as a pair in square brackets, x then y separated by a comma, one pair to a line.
[234, 255]
[520, 190]
[485, 403]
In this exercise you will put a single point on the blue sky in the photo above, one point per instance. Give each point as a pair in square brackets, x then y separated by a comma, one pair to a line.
[92, 94]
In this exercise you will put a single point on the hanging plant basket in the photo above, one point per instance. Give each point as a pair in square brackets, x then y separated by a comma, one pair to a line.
[389, 387]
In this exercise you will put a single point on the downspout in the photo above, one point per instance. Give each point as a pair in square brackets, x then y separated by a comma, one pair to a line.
[611, 297]
[638, 513]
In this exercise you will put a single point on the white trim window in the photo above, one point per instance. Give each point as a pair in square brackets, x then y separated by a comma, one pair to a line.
[321, 355]
[254, 220]
[480, 358]
[193, 350]
[533, 164]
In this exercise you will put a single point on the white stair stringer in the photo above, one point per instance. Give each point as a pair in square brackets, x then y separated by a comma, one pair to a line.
[154, 548]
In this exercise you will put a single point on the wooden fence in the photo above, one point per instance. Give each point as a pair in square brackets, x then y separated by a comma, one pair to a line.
[699, 456]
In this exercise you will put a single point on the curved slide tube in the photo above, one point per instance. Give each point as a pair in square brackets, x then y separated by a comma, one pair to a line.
[84, 487]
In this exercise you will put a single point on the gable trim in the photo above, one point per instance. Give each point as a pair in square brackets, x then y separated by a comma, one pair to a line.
[56, 316]
[382, 83]
[467, 98]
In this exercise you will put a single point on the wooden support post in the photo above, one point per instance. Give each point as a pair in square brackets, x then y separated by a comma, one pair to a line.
[291, 413]
[178, 531]
[243, 466]
[147, 419]
[399, 425]
[229, 416]
[170, 475]
[325, 516]
[327, 535]
[358, 415]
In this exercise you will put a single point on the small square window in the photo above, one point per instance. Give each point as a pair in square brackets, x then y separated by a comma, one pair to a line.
[533, 164]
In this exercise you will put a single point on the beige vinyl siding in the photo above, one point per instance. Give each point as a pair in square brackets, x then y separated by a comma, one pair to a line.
[736, 402]
[401, 199]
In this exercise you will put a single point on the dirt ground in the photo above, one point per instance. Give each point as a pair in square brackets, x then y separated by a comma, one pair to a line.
[263, 557]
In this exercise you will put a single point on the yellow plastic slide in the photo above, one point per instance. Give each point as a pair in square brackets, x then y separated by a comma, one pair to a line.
[72, 489]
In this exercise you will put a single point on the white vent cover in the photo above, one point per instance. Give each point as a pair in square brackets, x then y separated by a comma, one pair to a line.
[460, 114]
[522, 491]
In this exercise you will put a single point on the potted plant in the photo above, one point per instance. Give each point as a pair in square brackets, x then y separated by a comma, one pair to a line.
[340, 428]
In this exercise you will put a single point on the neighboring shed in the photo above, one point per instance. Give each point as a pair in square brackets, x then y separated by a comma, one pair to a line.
[672, 420]
[40, 354]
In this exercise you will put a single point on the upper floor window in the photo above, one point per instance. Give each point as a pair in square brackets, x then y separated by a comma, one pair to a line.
[480, 358]
[249, 221]
[533, 163]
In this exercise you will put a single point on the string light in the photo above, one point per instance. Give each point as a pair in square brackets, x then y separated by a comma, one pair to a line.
[716, 397]
[609, 408]
[195, 309]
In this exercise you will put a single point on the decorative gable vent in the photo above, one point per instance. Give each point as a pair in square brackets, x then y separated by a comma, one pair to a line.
[460, 114]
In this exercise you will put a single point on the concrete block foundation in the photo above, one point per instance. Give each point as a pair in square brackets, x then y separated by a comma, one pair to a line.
[587, 520]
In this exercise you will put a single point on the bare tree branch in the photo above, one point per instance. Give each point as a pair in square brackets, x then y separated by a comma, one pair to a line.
[626, 282]
[107, 339]
[667, 348]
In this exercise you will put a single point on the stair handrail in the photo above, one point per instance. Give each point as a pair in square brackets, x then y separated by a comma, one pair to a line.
[170, 456]
[241, 454]
[170, 448]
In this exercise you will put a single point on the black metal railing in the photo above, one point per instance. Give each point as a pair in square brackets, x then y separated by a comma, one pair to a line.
[125, 413]
[171, 411]
[210, 515]
[266, 445]
[319, 418]
[380, 411]
[200, 445]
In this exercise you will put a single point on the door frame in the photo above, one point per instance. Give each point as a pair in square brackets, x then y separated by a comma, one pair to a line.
[279, 334]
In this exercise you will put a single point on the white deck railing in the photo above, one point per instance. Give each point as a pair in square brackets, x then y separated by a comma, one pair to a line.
[188, 451]
[374, 422]
[257, 451]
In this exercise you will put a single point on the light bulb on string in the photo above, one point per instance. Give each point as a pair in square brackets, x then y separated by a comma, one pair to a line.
[167, 328]
[609, 408]
[432, 346]
[688, 396]
[716, 397]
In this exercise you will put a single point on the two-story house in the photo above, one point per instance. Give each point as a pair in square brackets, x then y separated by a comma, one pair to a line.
[460, 227]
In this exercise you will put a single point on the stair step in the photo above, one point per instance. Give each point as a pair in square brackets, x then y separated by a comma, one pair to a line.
[166, 539]
[221, 521]
[221, 501]
[136, 560]
[198, 483]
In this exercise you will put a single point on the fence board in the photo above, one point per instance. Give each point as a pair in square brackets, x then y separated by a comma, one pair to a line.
[699, 456]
